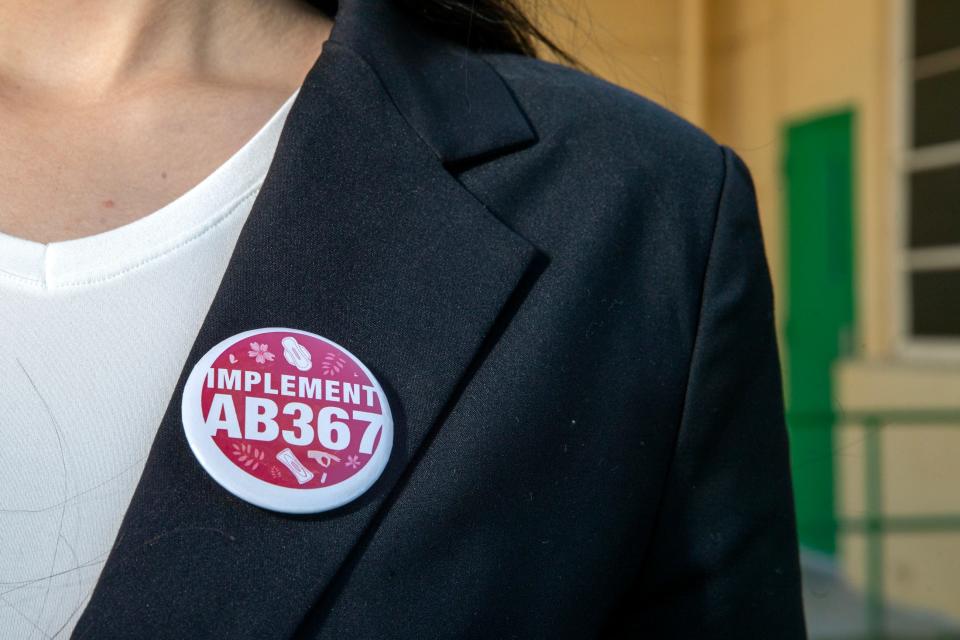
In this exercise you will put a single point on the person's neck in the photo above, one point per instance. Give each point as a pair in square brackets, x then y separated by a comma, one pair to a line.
[82, 51]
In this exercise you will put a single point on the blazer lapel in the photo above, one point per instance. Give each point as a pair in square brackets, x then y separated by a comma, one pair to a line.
[361, 235]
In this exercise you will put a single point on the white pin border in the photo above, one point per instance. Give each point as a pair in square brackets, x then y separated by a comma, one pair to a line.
[256, 491]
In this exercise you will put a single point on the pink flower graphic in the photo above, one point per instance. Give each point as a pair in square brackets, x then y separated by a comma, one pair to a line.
[260, 352]
[353, 461]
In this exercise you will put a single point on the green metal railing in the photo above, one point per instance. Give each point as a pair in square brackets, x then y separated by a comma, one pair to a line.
[874, 524]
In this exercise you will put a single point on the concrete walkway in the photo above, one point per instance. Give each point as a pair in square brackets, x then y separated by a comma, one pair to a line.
[837, 611]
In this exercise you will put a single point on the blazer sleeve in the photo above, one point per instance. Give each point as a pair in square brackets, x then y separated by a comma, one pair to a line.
[723, 559]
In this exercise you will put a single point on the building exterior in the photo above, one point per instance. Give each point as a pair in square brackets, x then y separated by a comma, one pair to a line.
[848, 114]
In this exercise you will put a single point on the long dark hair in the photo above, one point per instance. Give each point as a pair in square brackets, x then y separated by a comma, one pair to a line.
[494, 25]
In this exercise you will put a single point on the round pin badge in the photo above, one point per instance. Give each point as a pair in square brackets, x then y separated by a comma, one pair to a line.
[287, 420]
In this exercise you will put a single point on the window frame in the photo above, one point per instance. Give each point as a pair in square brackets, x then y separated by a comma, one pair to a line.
[907, 160]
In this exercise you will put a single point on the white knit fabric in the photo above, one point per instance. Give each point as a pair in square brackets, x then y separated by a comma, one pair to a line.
[95, 332]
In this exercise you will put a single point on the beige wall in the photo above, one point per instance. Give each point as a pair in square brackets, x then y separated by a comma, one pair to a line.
[635, 44]
[743, 69]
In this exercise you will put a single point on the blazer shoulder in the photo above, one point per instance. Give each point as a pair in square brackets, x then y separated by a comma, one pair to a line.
[630, 162]
[569, 104]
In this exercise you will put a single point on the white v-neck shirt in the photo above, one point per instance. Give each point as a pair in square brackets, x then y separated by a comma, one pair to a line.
[95, 333]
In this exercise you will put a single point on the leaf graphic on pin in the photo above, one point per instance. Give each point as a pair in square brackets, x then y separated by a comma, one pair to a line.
[248, 455]
[332, 364]
[233, 359]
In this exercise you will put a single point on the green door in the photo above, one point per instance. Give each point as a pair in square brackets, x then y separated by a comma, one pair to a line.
[820, 307]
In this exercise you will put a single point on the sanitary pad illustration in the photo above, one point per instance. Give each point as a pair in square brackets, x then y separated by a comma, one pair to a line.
[296, 354]
[291, 462]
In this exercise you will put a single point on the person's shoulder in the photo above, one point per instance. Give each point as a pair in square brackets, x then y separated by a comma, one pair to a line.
[602, 135]
[623, 153]
[571, 104]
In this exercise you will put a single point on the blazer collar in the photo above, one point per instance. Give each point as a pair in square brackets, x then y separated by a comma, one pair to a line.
[361, 235]
[451, 97]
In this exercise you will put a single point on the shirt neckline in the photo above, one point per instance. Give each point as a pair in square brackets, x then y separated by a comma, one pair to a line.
[102, 256]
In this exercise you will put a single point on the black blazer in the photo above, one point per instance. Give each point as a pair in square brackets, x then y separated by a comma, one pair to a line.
[563, 290]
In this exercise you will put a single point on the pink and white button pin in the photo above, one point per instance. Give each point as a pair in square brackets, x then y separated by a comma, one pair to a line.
[287, 420]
